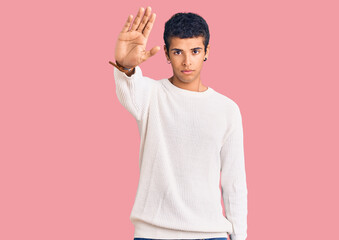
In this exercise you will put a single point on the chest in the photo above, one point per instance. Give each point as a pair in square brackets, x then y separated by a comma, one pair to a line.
[195, 121]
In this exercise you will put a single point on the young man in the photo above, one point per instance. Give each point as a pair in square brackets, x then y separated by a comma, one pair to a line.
[191, 136]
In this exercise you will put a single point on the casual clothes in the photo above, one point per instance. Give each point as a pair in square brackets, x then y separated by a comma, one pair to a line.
[189, 141]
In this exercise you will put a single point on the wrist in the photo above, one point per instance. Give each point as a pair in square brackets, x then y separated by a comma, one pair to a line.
[125, 68]
[127, 71]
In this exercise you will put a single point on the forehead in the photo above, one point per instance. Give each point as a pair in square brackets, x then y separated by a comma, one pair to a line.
[186, 43]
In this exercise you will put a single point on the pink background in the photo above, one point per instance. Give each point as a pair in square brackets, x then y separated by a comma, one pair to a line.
[69, 150]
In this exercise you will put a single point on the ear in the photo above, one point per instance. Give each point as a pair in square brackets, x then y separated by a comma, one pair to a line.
[166, 53]
[207, 51]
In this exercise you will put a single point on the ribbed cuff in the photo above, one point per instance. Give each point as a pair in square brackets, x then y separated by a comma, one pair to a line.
[120, 74]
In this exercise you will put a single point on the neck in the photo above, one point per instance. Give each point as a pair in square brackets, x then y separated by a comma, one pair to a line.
[196, 85]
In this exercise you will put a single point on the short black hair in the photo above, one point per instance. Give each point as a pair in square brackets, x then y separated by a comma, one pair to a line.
[186, 25]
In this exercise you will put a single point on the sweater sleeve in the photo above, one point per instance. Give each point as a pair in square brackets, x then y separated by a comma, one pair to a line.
[233, 178]
[133, 92]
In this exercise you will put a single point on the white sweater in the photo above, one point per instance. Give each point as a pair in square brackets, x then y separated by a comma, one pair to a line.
[189, 140]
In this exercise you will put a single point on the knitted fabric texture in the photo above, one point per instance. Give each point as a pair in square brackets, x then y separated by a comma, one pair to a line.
[190, 142]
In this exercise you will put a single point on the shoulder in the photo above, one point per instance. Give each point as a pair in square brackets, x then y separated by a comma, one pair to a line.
[226, 102]
[138, 75]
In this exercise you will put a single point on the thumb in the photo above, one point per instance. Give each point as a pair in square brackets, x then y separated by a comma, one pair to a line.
[151, 52]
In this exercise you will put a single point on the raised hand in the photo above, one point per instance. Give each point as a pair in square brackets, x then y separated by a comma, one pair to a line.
[130, 49]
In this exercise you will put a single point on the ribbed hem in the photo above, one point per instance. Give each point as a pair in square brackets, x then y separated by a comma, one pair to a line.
[145, 230]
[238, 237]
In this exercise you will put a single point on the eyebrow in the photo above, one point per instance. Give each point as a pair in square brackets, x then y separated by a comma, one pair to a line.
[177, 49]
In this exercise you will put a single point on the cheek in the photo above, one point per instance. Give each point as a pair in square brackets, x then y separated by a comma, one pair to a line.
[176, 63]
[198, 62]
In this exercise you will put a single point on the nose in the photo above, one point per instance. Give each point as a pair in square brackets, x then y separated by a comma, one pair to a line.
[187, 60]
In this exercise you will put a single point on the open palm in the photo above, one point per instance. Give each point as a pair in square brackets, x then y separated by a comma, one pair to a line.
[130, 48]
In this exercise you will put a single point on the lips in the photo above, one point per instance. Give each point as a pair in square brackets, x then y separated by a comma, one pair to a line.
[187, 71]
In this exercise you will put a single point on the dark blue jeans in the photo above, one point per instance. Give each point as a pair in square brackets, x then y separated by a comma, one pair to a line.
[222, 238]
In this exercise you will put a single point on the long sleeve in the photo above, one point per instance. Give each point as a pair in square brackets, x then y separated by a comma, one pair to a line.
[133, 92]
[233, 178]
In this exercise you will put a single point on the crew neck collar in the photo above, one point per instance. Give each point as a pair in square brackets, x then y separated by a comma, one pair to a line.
[182, 91]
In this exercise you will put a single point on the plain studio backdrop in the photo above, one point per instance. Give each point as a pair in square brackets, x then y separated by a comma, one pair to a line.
[69, 150]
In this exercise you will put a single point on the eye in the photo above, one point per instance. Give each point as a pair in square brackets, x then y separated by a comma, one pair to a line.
[177, 52]
[196, 51]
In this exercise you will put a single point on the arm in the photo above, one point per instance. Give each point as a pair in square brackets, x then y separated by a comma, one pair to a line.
[233, 178]
[133, 92]
[132, 89]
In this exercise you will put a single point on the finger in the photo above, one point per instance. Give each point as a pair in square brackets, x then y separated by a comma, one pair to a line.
[127, 24]
[151, 53]
[137, 19]
[144, 19]
[149, 25]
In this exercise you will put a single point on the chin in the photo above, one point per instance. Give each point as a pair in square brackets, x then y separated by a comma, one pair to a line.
[187, 79]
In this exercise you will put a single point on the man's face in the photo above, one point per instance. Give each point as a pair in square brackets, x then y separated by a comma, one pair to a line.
[187, 57]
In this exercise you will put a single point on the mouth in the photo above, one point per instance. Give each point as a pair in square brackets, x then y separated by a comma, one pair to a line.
[187, 71]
